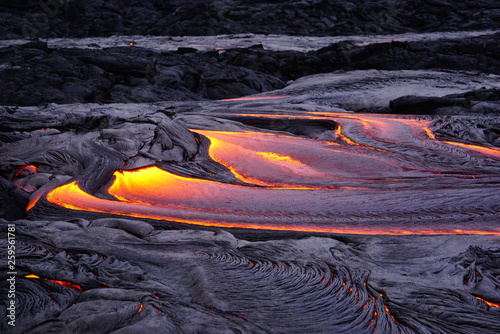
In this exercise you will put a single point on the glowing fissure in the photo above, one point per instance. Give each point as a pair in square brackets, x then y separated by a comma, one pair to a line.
[227, 198]
[27, 168]
[293, 183]
[488, 303]
[495, 153]
[68, 284]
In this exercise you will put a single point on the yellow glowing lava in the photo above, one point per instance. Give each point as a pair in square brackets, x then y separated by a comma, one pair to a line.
[68, 284]
[481, 149]
[290, 183]
[133, 187]
[488, 303]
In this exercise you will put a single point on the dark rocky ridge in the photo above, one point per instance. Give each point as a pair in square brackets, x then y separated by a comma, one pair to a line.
[33, 74]
[73, 18]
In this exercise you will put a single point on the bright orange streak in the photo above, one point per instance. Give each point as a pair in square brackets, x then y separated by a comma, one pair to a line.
[481, 149]
[276, 157]
[259, 158]
[32, 276]
[253, 98]
[68, 284]
[489, 303]
[72, 197]
[34, 199]
[343, 137]
[429, 133]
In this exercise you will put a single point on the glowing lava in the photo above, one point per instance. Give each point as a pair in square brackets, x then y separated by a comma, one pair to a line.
[68, 284]
[157, 194]
[495, 153]
[28, 169]
[277, 160]
[371, 178]
[488, 303]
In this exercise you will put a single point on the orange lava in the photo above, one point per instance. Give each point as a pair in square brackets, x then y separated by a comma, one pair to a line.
[290, 183]
[481, 149]
[156, 194]
[489, 303]
[276, 160]
[68, 284]
[34, 198]
[31, 169]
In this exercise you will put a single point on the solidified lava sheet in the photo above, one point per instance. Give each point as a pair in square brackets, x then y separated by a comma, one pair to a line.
[294, 167]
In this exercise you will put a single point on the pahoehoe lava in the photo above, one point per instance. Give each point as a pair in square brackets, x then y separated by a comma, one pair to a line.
[323, 167]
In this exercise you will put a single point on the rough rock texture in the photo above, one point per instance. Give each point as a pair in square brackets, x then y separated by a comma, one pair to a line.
[33, 74]
[213, 282]
[82, 269]
[73, 18]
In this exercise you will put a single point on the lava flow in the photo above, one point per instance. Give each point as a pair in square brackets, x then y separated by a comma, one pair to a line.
[374, 179]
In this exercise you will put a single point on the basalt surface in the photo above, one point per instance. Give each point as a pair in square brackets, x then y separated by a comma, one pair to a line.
[72, 18]
[36, 73]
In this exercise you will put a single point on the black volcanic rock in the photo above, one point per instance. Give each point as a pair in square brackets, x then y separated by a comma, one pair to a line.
[12, 201]
[33, 74]
[480, 101]
[74, 18]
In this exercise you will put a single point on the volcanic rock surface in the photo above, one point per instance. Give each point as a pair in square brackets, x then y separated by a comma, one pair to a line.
[293, 17]
[34, 73]
[251, 183]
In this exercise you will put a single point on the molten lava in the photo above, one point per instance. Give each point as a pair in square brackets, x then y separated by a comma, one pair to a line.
[68, 284]
[488, 303]
[371, 177]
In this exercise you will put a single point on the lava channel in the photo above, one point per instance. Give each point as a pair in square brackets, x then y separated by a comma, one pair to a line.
[374, 182]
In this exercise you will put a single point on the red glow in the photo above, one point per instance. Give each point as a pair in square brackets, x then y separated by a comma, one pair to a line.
[289, 183]
[29, 169]
[481, 149]
[68, 284]
[489, 303]
[72, 197]
[34, 198]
